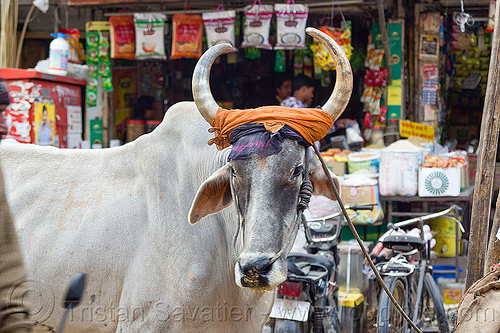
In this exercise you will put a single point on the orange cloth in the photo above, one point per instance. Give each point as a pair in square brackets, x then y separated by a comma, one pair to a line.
[312, 124]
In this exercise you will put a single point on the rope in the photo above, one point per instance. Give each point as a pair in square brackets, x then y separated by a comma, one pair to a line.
[360, 242]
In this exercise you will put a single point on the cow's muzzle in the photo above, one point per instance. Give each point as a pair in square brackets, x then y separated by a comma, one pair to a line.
[259, 273]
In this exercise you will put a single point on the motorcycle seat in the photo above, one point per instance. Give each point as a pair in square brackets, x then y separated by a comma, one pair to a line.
[295, 260]
[403, 243]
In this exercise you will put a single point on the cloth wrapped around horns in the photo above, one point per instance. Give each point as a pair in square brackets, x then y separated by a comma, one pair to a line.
[312, 124]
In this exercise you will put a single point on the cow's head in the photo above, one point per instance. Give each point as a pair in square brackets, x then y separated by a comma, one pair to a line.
[266, 189]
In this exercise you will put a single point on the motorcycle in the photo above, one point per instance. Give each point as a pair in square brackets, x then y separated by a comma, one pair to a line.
[308, 300]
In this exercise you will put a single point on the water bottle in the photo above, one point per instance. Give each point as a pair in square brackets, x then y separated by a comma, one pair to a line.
[58, 55]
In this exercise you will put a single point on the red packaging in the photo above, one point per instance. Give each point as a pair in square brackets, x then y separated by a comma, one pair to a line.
[122, 37]
[187, 30]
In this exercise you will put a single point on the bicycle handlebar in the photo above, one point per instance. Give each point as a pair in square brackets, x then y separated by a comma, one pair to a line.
[454, 208]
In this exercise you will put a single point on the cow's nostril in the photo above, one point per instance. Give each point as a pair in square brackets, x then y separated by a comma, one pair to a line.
[258, 267]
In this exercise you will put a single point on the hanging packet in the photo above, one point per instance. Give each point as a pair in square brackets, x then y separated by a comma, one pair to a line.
[150, 36]
[257, 24]
[187, 30]
[291, 25]
[122, 37]
[219, 26]
[75, 49]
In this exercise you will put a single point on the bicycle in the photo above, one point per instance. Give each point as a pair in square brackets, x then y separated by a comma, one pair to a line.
[408, 275]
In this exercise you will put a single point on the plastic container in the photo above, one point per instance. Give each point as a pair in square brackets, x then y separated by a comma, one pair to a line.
[151, 125]
[135, 128]
[377, 136]
[363, 161]
[444, 230]
[352, 313]
[444, 271]
[58, 55]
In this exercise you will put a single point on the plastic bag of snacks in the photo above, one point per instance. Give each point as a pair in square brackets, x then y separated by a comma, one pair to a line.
[187, 30]
[75, 49]
[150, 36]
[219, 26]
[257, 24]
[322, 58]
[122, 37]
[291, 25]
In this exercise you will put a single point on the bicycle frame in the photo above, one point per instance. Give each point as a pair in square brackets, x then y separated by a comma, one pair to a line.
[423, 263]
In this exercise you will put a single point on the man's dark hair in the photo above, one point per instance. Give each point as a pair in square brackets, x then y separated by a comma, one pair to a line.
[302, 80]
[279, 79]
[142, 104]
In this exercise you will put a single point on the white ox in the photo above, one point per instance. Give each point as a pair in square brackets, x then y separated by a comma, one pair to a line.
[121, 215]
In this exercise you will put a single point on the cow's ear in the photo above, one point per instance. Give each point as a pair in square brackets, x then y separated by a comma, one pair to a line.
[321, 183]
[212, 196]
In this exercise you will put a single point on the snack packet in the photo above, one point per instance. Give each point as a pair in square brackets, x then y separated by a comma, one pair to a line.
[291, 25]
[187, 30]
[257, 25]
[122, 37]
[75, 50]
[219, 27]
[150, 36]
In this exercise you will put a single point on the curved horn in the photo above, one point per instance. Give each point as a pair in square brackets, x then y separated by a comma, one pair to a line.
[343, 86]
[201, 81]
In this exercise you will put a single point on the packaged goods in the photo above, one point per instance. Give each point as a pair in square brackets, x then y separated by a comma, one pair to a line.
[291, 25]
[187, 30]
[150, 36]
[368, 161]
[257, 25]
[219, 27]
[399, 165]
[122, 37]
[75, 49]
[322, 58]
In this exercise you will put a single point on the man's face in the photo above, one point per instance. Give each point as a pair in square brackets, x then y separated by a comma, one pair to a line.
[308, 95]
[3, 124]
[285, 89]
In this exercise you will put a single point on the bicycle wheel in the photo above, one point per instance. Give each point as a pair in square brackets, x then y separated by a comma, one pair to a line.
[389, 319]
[431, 314]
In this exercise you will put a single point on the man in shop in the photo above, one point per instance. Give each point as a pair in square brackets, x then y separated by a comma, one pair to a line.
[302, 97]
[14, 313]
[283, 87]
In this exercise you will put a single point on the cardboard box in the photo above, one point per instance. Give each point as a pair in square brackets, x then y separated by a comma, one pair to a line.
[437, 182]
[363, 195]
[337, 167]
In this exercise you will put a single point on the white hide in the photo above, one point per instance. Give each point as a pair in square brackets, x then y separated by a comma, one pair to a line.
[121, 215]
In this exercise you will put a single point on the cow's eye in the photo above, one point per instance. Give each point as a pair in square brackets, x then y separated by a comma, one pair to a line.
[298, 170]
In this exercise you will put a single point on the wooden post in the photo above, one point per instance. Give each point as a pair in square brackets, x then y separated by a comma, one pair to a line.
[488, 142]
[385, 41]
[105, 119]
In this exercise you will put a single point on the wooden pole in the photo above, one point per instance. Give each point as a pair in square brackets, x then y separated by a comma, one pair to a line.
[488, 142]
[385, 41]
[105, 119]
